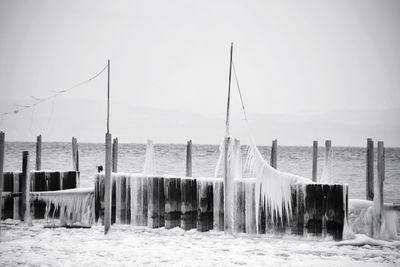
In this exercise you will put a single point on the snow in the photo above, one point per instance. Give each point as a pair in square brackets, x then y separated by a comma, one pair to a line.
[137, 246]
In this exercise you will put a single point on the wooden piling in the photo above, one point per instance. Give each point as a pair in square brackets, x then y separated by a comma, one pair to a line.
[75, 154]
[188, 203]
[315, 161]
[39, 152]
[370, 170]
[380, 179]
[107, 197]
[205, 213]
[2, 144]
[274, 152]
[172, 192]
[17, 199]
[25, 209]
[189, 159]
[156, 202]
[228, 187]
[115, 155]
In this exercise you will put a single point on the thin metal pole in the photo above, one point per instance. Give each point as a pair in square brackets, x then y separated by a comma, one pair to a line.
[229, 93]
[108, 98]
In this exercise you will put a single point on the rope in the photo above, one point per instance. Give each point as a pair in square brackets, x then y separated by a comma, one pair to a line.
[57, 93]
[240, 93]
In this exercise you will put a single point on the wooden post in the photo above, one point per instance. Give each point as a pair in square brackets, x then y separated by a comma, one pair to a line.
[189, 159]
[315, 160]
[228, 187]
[115, 155]
[39, 152]
[25, 210]
[2, 144]
[370, 170]
[75, 154]
[380, 179]
[274, 151]
[107, 198]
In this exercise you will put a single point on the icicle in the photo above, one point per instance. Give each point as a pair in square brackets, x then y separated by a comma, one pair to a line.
[149, 163]
[75, 205]
[272, 186]
[327, 171]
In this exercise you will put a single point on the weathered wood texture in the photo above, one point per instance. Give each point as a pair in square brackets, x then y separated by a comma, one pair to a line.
[370, 170]
[315, 161]
[188, 203]
[317, 209]
[39, 152]
[75, 154]
[379, 203]
[39, 181]
[189, 159]
[274, 154]
[115, 155]
[25, 208]
[172, 192]
[107, 187]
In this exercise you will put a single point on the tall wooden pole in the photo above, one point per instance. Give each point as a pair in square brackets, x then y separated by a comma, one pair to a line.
[315, 161]
[25, 209]
[107, 196]
[189, 159]
[2, 144]
[228, 212]
[115, 155]
[75, 154]
[274, 154]
[229, 93]
[39, 152]
[370, 170]
[379, 202]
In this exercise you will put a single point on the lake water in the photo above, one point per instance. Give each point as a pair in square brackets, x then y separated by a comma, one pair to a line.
[349, 162]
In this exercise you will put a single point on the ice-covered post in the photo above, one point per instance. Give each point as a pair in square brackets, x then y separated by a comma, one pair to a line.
[25, 210]
[228, 212]
[315, 160]
[75, 154]
[274, 151]
[39, 152]
[379, 199]
[107, 196]
[189, 159]
[2, 144]
[370, 170]
[115, 155]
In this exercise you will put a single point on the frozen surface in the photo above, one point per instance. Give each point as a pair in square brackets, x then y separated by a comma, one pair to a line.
[138, 246]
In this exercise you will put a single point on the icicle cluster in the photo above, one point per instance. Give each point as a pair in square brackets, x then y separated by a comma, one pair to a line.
[73, 205]
[149, 162]
[273, 187]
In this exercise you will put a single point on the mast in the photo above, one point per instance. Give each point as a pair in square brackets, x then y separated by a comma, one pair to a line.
[108, 98]
[229, 94]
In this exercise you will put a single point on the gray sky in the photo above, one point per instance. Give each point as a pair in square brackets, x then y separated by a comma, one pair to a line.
[308, 69]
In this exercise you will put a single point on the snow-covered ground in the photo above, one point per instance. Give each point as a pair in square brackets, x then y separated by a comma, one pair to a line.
[137, 246]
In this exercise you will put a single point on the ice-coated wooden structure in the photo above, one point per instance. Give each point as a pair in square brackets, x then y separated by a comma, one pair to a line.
[189, 203]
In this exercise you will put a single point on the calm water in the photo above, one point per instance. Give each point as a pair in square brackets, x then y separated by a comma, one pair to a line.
[349, 162]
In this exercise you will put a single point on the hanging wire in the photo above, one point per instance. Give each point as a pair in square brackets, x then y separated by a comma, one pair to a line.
[57, 93]
[240, 93]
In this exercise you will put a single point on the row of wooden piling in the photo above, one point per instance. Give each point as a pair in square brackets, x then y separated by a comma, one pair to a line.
[197, 203]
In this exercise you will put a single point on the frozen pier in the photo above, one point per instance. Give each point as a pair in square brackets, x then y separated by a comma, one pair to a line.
[197, 203]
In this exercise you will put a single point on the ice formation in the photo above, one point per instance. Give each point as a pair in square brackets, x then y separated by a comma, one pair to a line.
[363, 216]
[273, 187]
[149, 162]
[73, 205]
[327, 171]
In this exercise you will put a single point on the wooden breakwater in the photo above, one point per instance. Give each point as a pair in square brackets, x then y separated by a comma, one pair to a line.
[197, 203]
[39, 181]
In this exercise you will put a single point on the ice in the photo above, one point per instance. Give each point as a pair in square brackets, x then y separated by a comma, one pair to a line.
[327, 171]
[149, 162]
[362, 217]
[272, 186]
[74, 205]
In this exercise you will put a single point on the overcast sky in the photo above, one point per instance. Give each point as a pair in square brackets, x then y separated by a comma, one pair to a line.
[309, 70]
